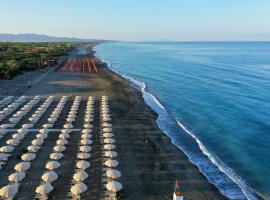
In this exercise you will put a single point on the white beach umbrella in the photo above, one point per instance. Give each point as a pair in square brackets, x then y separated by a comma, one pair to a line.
[52, 165]
[108, 135]
[6, 149]
[70, 119]
[80, 176]
[68, 126]
[78, 188]
[56, 156]
[49, 176]
[22, 166]
[113, 173]
[28, 156]
[114, 186]
[86, 141]
[33, 148]
[110, 154]
[111, 163]
[16, 177]
[61, 142]
[86, 136]
[87, 131]
[66, 131]
[109, 141]
[9, 191]
[64, 136]
[85, 149]
[109, 146]
[82, 164]
[83, 156]
[59, 148]
[38, 142]
[106, 119]
[87, 125]
[44, 189]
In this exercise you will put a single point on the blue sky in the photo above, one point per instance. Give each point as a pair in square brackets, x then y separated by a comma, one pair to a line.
[139, 19]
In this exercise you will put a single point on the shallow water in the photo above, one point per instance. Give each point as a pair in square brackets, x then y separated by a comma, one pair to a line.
[216, 92]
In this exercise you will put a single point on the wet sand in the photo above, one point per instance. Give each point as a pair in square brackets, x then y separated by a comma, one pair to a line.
[149, 163]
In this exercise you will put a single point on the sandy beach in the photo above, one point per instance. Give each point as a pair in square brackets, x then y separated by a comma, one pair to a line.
[149, 163]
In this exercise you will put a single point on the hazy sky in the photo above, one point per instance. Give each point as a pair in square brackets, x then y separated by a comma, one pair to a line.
[139, 19]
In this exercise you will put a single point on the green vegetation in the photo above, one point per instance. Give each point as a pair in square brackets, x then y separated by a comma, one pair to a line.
[18, 57]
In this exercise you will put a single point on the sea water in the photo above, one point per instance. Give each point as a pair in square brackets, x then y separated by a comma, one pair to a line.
[213, 101]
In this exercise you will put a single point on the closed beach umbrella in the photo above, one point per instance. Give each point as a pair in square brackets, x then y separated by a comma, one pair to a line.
[41, 136]
[107, 130]
[78, 188]
[86, 136]
[38, 142]
[62, 142]
[16, 177]
[83, 156]
[110, 154]
[108, 135]
[106, 124]
[82, 164]
[44, 130]
[59, 148]
[64, 136]
[88, 125]
[80, 176]
[4, 156]
[86, 141]
[114, 186]
[113, 173]
[68, 126]
[44, 189]
[22, 167]
[56, 156]
[47, 125]
[9, 191]
[109, 146]
[87, 120]
[28, 156]
[66, 131]
[28, 125]
[49, 176]
[33, 148]
[13, 142]
[87, 131]
[4, 126]
[52, 165]
[6, 149]
[111, 163]
[109, 141]
[85, 149]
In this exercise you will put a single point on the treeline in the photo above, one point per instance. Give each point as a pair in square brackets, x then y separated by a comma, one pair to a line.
[17, 57]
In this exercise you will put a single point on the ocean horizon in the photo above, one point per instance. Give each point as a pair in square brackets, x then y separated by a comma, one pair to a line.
[212, 99]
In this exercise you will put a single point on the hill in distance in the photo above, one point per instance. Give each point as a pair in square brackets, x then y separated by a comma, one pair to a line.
[29, 37]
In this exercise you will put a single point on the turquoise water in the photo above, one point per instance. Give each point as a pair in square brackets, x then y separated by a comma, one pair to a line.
[213, 100]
